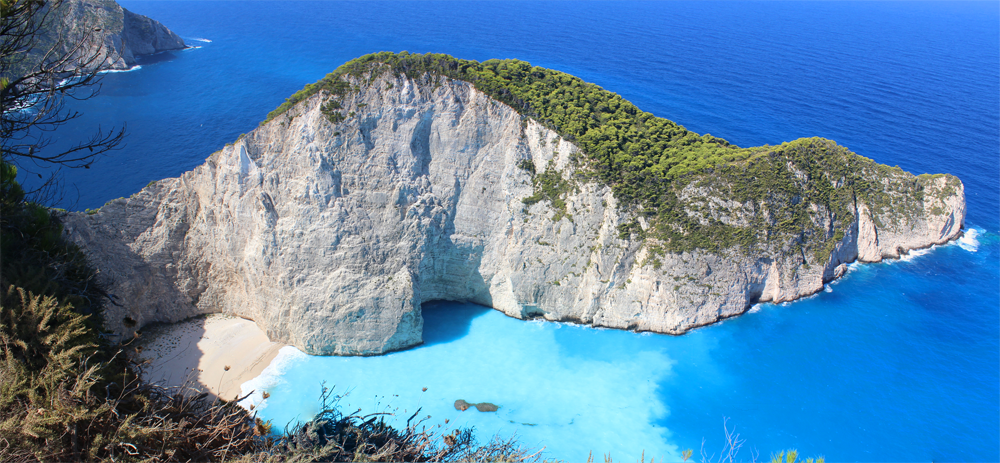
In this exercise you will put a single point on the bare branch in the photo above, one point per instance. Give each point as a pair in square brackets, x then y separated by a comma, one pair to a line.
[38, 73]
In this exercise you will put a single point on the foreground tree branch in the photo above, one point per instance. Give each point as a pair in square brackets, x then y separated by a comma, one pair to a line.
[41, 65]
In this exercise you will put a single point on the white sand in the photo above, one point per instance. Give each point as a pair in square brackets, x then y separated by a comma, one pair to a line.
[195, 353]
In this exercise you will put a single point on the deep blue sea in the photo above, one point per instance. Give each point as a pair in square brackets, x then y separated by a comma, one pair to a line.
[897, 361]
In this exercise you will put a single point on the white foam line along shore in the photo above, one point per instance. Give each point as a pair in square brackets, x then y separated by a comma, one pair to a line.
[254, 388]
[115, 71]
[216, 353]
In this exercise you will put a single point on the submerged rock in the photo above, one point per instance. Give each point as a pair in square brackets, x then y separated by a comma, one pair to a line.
[462, 406]
[330, 232]
[486, 407]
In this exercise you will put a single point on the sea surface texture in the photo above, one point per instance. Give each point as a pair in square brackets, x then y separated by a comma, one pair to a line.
[895, 362]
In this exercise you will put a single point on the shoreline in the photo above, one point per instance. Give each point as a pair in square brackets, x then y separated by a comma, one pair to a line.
[218, 353]
[195, 352]
[214, 353]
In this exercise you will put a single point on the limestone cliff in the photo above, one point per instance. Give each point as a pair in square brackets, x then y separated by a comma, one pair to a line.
[111, 33]
[330, 232]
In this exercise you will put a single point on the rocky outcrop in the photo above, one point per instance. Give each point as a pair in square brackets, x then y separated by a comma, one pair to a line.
[330, 235]
[112, 34]
[144, 36]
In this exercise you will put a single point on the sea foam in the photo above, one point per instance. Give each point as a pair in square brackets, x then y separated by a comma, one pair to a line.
[113, 71]
[969, 240]
[913, 254]
[254, 389]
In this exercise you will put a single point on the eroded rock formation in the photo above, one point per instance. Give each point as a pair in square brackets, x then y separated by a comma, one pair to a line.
[108, 31]
[330, 235]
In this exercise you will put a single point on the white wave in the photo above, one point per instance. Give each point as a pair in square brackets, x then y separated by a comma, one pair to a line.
[827, 289]
[803, 298]
[270, 377]
[754, 308]
[25, 107]
[915, 253]
[541, 323]
[197, 39]
[968, 240]
[29, 103]
[133, 68]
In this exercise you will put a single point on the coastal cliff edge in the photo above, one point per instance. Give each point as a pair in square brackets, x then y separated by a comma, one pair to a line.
[329, 232]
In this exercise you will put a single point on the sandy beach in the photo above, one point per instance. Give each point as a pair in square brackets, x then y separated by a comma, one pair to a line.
[215, 353]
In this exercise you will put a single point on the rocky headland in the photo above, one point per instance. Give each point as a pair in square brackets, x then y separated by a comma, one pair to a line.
[401, 179]
[103, 35]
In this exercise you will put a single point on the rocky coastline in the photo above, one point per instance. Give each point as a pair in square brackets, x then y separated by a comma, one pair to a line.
[330, 234]
[104, 36]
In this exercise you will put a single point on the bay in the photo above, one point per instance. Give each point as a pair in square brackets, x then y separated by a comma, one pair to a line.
[897, 362]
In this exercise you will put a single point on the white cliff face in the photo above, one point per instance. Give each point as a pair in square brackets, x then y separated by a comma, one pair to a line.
[331, 235]
[941, 214]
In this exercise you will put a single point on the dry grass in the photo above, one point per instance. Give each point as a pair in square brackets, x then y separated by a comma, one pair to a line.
[58, 404]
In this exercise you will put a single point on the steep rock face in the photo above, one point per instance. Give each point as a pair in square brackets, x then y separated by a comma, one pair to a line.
[123, 35]
[331, 234]
[144, 36]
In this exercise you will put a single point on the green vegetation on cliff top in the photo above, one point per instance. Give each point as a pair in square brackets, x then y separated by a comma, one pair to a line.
[624, 144]
[659, 169]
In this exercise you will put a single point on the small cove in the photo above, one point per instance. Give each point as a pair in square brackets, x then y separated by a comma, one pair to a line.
[897, 362]
[548, 383]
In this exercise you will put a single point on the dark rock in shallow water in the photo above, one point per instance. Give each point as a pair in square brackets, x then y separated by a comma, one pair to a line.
[462, 406]
[486, 407]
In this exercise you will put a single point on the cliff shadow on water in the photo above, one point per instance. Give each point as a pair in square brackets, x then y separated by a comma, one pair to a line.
[447, 321]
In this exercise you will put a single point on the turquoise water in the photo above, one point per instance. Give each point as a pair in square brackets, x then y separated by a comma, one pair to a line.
[897, 362]
[552, 390]
[901, 379]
